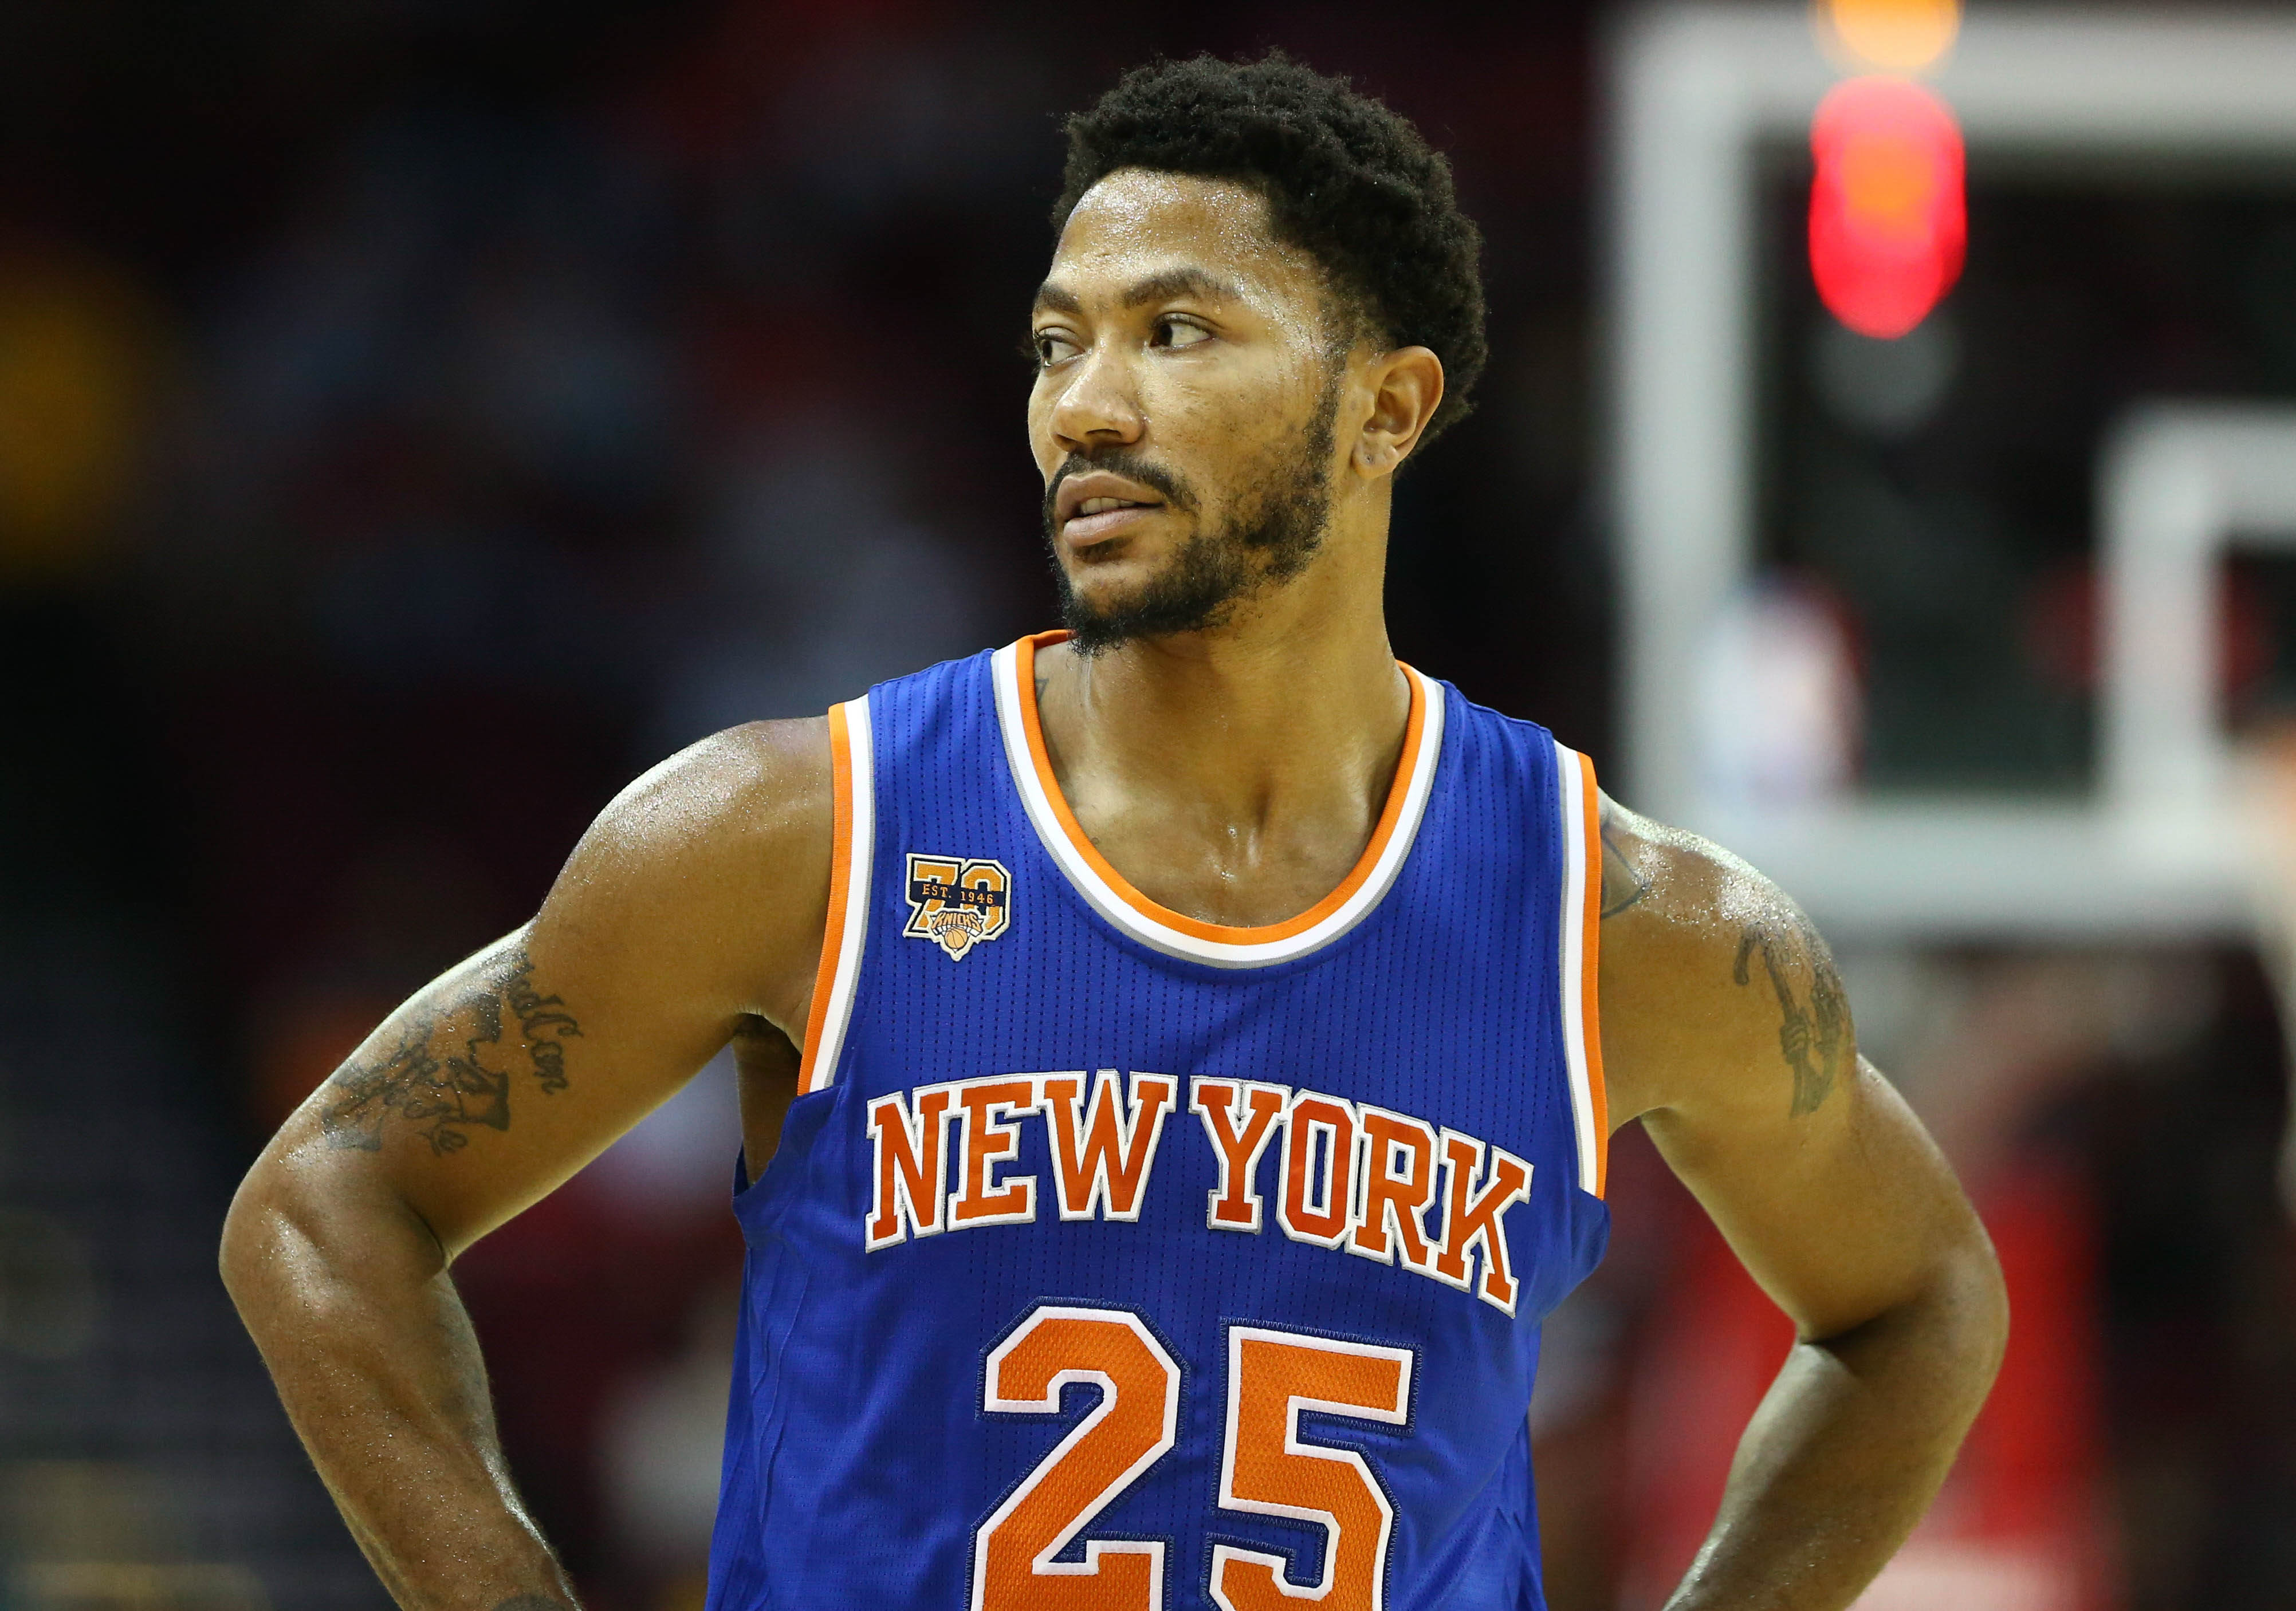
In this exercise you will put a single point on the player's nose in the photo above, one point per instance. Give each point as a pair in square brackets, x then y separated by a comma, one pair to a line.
[1098, 406]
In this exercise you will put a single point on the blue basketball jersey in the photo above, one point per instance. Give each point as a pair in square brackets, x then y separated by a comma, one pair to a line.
[1116, 1260]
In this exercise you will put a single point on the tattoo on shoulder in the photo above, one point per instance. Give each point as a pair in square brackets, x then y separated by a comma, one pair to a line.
[1816, 1040]
[1622, 886]
[454, 1067]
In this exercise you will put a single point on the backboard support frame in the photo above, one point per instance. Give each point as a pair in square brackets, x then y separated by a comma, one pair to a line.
[1698, 92]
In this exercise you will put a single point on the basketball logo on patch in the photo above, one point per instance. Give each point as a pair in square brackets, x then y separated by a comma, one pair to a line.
[958, 905]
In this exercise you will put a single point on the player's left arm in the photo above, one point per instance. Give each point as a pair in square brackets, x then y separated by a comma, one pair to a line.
[1726, 1030]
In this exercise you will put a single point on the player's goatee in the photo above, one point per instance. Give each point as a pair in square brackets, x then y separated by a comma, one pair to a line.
[1270, 540]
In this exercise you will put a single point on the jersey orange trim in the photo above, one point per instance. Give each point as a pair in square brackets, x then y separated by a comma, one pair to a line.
[1590, 958]
[840, 874]
[1025, 663]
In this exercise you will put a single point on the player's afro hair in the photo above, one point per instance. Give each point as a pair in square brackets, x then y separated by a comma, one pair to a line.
[1346, 180]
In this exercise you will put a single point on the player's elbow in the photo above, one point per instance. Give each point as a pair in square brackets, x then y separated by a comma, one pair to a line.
[255, 1247]
[249, 1244]
[1940, 1341]
[306, 1232]
[1968, 1304]
[1994, 1305]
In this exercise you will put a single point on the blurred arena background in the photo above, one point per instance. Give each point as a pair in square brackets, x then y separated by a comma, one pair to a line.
[417, 418]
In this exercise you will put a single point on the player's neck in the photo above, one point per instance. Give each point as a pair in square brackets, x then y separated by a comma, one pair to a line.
[1234, 773]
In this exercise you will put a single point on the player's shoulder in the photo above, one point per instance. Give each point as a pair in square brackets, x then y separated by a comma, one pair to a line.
[1666, 879]
[712, 868]
[744, 818]
[763, 781]
[1703, 958]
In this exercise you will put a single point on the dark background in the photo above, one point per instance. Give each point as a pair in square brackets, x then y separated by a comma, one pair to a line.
[417, 418]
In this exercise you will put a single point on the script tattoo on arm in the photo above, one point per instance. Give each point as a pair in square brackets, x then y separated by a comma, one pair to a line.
[1816, 1040]
[454, 1067]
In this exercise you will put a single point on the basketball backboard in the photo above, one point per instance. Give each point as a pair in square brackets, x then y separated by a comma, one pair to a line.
[2154, 849]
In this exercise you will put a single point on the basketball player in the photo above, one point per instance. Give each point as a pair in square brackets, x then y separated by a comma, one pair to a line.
[1177, 1056]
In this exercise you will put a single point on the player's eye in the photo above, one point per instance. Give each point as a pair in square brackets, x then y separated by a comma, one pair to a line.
[1172, 330]
[1052, 347]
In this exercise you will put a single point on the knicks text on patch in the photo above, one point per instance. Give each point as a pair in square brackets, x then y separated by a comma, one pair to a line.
[1350, 1177]
[957, 904]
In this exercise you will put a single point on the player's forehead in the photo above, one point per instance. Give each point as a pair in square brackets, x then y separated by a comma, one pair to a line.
[1141, 227]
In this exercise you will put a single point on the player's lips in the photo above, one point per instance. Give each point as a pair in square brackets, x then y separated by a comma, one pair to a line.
[1093, 507]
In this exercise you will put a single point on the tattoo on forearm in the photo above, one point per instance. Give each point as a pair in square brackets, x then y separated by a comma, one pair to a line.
[452, 1069]
[1815, 1041]
[1622, 886]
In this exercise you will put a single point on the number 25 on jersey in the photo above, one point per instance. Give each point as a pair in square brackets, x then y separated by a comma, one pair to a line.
[1266, 1468]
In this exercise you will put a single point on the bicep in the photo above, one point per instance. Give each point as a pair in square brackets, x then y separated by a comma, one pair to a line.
[694, 903]
[496, 1081]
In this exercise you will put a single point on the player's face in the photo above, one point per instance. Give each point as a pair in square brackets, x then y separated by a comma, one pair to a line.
[1183, 411]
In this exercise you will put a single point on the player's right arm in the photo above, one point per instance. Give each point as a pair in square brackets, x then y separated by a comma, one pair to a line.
[690, 914]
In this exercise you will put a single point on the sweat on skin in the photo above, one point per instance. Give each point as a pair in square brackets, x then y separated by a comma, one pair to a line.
[1232, 771]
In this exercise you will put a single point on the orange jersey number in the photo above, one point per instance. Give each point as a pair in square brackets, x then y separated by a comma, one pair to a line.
[1133, 1423]
[1264, 1466]
[1271, 1376]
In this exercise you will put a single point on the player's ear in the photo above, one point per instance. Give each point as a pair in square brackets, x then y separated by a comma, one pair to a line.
[1406, 385]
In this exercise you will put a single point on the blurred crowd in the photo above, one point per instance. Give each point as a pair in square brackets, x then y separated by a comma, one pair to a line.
[418, 419]
[415, 421]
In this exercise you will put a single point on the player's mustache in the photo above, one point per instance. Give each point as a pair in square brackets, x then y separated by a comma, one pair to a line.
[1119, 462]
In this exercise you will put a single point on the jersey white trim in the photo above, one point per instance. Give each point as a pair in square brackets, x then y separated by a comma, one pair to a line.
[861, 783]
[1577, 889]
[1419, 769]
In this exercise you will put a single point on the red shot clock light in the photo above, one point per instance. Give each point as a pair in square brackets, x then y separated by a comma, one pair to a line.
[1888, 218]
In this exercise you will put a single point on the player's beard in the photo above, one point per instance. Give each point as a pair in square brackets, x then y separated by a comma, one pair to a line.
[1270, 538]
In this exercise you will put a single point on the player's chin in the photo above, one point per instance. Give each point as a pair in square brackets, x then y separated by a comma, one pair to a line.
[1109, 592]
[1097, 595]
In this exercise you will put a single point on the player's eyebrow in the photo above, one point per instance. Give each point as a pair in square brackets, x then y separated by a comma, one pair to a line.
[1052, 299]
[1174, 283]
[1167, 285]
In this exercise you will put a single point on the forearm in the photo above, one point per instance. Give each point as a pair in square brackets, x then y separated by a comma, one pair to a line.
[377, 1364]
[1847, 1452]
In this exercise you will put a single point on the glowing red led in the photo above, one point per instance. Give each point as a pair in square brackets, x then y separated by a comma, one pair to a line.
[1888, 218]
